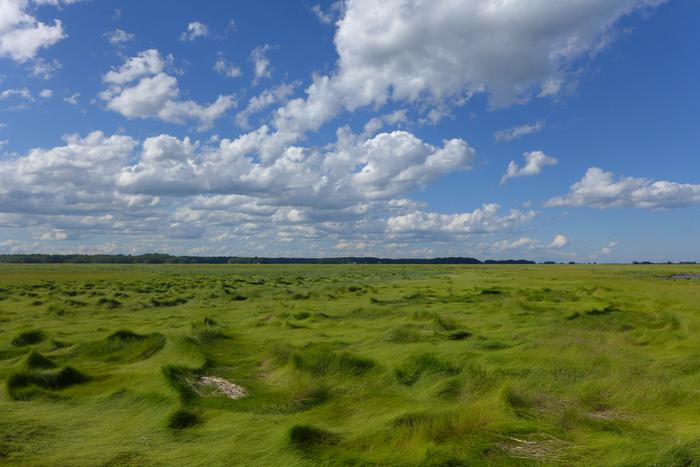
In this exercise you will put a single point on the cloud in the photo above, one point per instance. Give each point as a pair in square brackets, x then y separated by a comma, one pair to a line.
[72, 99]
[22, 93]
[606, 250]
[330, 15]
[195, 30]
[486, 219]
[118, 37]
[377, 123]
[535, 161]
[277, 95]
[44, 69]
[148, 62]
[351, 190]
[22, 35]
[46, 94]
[516, 132]
[225, 68]
[436, 55]
[141, 89]
[600, 189]
[261, 63]
[559, 241]
[412, 49]
[520, 243]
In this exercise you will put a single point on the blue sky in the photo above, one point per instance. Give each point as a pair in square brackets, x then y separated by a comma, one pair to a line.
[388, 128]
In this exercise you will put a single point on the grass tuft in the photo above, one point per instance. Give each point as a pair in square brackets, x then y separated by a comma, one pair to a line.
[308, 438]
[20, 385]
[182, 419]
[424, 365]
[32, 337]
[37, 360]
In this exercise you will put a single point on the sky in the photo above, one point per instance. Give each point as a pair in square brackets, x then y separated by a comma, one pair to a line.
[562, 131]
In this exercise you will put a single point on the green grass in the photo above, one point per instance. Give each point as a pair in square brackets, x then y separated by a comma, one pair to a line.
[349, 365]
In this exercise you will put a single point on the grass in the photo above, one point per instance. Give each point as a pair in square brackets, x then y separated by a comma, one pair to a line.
[349, 365]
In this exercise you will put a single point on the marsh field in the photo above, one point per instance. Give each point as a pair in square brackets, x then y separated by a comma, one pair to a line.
[349, 365]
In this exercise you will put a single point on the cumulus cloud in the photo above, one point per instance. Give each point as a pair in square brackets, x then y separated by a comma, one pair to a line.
[226, 68]
[195, 30]
[46, 94]
[72, 99]
[438, 54]
[600, 189]
[21, 93]
[535, 161]
[407, 49]
[486, 219]
[44, 69]
[330, 15]
[118, 37]
[517, 244]
[21, 34]
[559, 241]
[352, 190]
[377, 123]
[141, 88]
[261, 63]
[277, 95]
[516, 132]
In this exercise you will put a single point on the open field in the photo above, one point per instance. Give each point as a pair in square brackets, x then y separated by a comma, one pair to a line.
[349, 365]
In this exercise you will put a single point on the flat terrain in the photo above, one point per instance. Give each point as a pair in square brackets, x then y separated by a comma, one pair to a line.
[349, 365]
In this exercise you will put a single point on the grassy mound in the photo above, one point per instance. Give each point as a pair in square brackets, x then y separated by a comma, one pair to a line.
[38, 361]
[182, 419]
[24, 384]
[308, 438]
[123, 346]
[322, 361]
[32, 337]
[424, 365]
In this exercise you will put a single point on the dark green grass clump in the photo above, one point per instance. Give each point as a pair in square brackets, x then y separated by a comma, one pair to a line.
[32, 337]
[308, 438]
[424, 365]
[323, 361]
[25, 385]
[123, 346]
[37, 360]
[182, 419]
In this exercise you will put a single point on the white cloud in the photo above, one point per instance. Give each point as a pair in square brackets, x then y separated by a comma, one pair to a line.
[194, 31]
[486, 219]
[141, 89]
[55, 235]
[118, 37]
[330, 15]
[516, 132]
[377, 123]
[438, 54]
[21, 34]
[72, 99]
[46, 94]
[261, 63]
[600, 189]
[148, 62]
[277, 95]
[44, 69]
[535, 161]
[22, 93]
[444, 48]
[559, 241]
[226, 68]
[352, 190]
[520, 243]
[606, 250]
